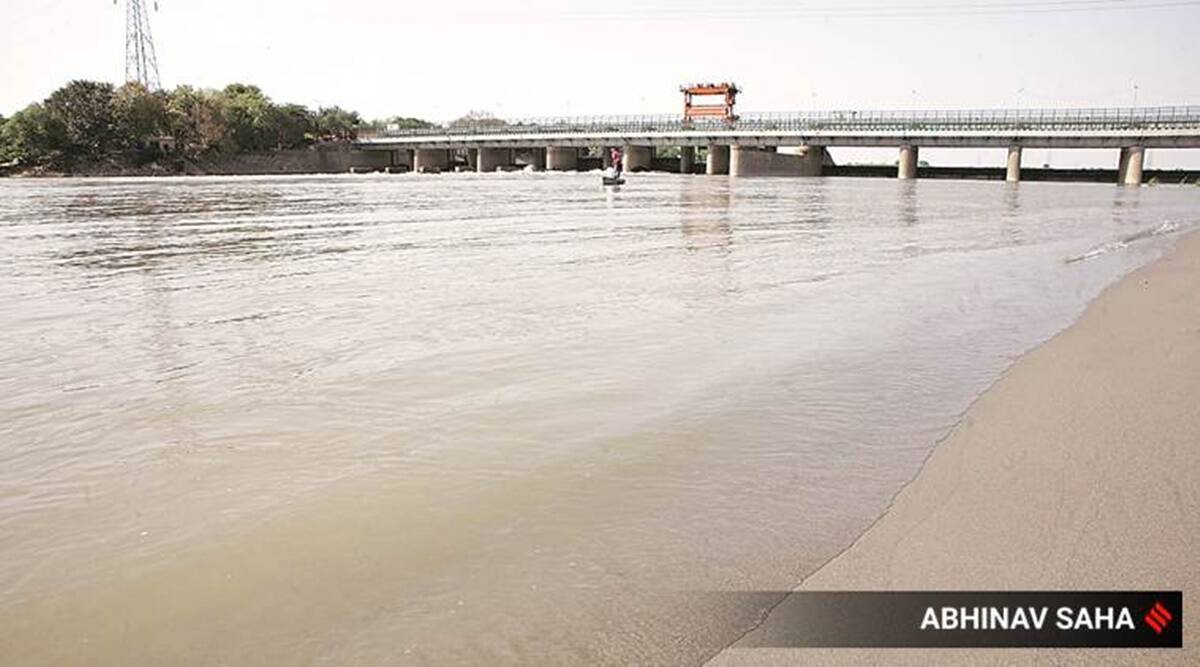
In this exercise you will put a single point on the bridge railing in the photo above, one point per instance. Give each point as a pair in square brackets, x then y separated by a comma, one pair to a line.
[850, 121]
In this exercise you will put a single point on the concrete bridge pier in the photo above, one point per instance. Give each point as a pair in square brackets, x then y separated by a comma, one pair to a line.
[739, 164]
[1013, 173]
[637, 158]
[562, 159]
[489, 159]
[718, 160]
[1129, 167]
[687, 159]
[431, 160]
[907, 169]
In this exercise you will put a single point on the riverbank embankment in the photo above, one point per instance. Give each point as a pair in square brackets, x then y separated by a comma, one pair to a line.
[322, 158]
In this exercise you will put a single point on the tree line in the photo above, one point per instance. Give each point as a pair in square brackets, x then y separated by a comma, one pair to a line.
[90, 121]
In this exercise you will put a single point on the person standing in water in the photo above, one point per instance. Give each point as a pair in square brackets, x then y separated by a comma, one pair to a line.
[615, 155]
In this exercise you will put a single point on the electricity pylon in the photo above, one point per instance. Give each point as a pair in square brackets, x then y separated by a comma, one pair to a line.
[141, 64]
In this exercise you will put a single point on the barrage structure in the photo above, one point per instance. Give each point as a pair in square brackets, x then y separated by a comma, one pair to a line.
[747, 145]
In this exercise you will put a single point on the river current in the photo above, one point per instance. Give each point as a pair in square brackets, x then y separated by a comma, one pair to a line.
[491, 418]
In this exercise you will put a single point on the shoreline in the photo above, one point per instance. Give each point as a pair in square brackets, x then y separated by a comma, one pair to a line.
[317, 159]
[260, 164]
[1078, 469]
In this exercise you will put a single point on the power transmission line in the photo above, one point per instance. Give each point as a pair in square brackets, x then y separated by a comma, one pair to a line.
[895, 10]
[141, 62]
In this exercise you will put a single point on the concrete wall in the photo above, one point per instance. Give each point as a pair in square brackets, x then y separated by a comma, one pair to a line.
[322, 159]
[328, 158]
[746, 161]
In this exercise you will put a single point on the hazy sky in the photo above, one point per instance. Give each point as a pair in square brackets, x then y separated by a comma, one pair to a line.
[545, 57]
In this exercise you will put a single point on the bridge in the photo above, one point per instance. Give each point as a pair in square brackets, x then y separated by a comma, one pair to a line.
[748, 145]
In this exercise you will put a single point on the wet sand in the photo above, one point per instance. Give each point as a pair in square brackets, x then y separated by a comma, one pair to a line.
[1079, 469]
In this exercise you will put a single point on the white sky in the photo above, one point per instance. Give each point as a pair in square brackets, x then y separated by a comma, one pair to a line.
[547, 57]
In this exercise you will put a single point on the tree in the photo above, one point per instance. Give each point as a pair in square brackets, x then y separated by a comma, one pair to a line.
[88, 120]
[33, 136]
[138, 114]
[248, 114]
[397, 123]
[337, 123]
[84, 108]
[294, 125]
[478, 120]
[195, 120]
[408, 123]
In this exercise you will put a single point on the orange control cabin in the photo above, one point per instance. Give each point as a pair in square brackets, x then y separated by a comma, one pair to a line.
[727, 91]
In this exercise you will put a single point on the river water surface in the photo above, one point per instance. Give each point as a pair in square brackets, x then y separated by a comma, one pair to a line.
[491, 418]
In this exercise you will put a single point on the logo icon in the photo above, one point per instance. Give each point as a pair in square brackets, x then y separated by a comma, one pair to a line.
[1158, 618]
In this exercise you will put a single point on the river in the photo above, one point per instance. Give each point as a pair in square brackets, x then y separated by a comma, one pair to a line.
[491, 418]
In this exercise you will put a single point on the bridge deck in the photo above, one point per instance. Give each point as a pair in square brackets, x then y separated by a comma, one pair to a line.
[1147, 126]
[1165, 127]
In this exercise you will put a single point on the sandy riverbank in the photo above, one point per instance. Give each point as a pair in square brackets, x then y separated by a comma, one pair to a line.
[1079, 469]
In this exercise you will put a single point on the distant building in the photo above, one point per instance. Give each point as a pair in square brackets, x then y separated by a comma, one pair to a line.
[163, 144]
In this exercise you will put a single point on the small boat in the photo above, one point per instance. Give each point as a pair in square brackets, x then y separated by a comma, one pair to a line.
[613, 180]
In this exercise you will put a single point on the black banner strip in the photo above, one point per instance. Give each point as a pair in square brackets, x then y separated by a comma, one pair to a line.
[972, 619]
